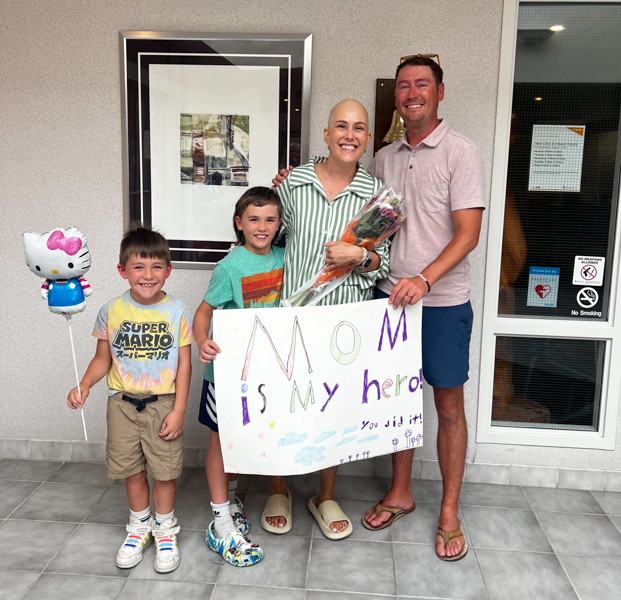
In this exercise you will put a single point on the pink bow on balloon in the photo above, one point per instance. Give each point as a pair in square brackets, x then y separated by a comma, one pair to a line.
[57, 241]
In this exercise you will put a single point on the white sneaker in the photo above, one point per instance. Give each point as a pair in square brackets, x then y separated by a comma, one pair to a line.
[167, 557]
[138, 538]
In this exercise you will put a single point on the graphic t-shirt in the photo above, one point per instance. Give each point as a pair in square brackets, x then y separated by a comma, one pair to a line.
[245, 280]
[144, 342]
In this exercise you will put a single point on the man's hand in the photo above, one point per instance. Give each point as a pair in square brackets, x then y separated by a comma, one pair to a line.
[172, 425]
[408, 291]
[281, 177]
[73, 399]
[208, 351]
[339, 254]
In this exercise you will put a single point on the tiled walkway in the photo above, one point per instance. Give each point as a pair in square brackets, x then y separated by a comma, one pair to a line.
[62, 523]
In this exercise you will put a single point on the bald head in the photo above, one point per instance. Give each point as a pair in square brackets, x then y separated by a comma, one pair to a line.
[348, 107]
[347, 134]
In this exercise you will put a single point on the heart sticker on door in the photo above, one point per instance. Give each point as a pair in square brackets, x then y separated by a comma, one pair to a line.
[542, 290]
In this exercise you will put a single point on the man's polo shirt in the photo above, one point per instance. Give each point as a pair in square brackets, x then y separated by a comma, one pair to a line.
[441, 174]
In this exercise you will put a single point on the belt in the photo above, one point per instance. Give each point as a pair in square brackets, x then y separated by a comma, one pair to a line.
[140, 404]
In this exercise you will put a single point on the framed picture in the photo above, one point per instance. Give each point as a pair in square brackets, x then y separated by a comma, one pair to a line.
[205, 117]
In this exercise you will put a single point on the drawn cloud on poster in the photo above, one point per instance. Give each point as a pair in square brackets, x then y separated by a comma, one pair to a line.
[369, 438]
[346, 440]
[292, 438]
[324, 436]
[308, 455]
[350, 430]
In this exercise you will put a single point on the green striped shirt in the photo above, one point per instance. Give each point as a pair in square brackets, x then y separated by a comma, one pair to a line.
[309, 221]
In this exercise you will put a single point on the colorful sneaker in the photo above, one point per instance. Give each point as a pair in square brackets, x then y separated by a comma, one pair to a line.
[167, 557]
[138, 538]
[235, 549]
[240, 520]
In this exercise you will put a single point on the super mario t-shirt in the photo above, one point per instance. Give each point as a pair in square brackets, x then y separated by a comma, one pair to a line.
[144, 342]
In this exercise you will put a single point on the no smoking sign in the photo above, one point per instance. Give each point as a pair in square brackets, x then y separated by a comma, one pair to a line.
[589, 270]
[587, 297]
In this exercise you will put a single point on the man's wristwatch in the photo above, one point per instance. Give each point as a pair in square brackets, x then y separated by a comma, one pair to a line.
[366, 261]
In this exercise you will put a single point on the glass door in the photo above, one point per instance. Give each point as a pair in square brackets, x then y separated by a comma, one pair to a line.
[549, 334]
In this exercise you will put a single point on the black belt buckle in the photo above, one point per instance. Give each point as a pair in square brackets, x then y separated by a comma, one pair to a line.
[140, 404]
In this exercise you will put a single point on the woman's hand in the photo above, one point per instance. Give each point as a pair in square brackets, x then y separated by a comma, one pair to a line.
[339, 254]
[282, 175]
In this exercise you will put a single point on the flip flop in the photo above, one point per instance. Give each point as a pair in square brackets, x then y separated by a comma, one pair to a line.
[328, 512]
[449, 535]
[396, 513]
[278, 505]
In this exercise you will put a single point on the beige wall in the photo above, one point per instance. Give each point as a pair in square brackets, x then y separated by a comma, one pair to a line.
[61, 164]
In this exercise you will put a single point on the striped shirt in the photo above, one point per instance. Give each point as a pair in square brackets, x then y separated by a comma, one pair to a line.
[309, 221]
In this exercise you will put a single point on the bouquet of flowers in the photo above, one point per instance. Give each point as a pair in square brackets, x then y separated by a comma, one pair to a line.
[381, 216]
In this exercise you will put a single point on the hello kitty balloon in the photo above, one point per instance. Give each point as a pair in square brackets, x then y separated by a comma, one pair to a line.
[62, 257]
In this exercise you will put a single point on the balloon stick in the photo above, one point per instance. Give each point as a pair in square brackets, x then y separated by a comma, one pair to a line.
[75, 365]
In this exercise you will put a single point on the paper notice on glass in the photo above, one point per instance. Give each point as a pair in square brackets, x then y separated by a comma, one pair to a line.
[543, 286]
[589, 270]
[556, 158]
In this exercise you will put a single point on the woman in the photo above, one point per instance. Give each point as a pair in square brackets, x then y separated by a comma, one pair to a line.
[318, 202]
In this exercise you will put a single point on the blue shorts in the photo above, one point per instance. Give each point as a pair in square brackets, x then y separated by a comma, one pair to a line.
[446, 343]
[207, 413]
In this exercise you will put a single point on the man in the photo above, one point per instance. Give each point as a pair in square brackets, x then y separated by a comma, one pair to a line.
[440, 173]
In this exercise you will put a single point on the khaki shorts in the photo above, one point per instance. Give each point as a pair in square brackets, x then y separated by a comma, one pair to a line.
[133, 443]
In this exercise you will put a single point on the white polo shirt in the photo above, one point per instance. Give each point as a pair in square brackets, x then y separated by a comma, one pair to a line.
[441, 174]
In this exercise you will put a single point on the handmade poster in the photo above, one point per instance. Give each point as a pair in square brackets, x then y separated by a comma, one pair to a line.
[556, 158]
[302, 389]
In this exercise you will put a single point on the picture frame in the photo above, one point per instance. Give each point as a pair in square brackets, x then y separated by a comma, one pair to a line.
[205, 116]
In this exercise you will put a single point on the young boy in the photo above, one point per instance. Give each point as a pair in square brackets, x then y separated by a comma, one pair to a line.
[249, 277]
[144, 348]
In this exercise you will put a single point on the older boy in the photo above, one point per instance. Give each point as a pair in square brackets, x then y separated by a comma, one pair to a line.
[144, 348]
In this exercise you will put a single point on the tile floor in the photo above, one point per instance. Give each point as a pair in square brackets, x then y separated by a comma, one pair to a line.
[62, 523]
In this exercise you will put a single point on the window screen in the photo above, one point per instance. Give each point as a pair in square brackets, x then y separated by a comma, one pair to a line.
[547, 383]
